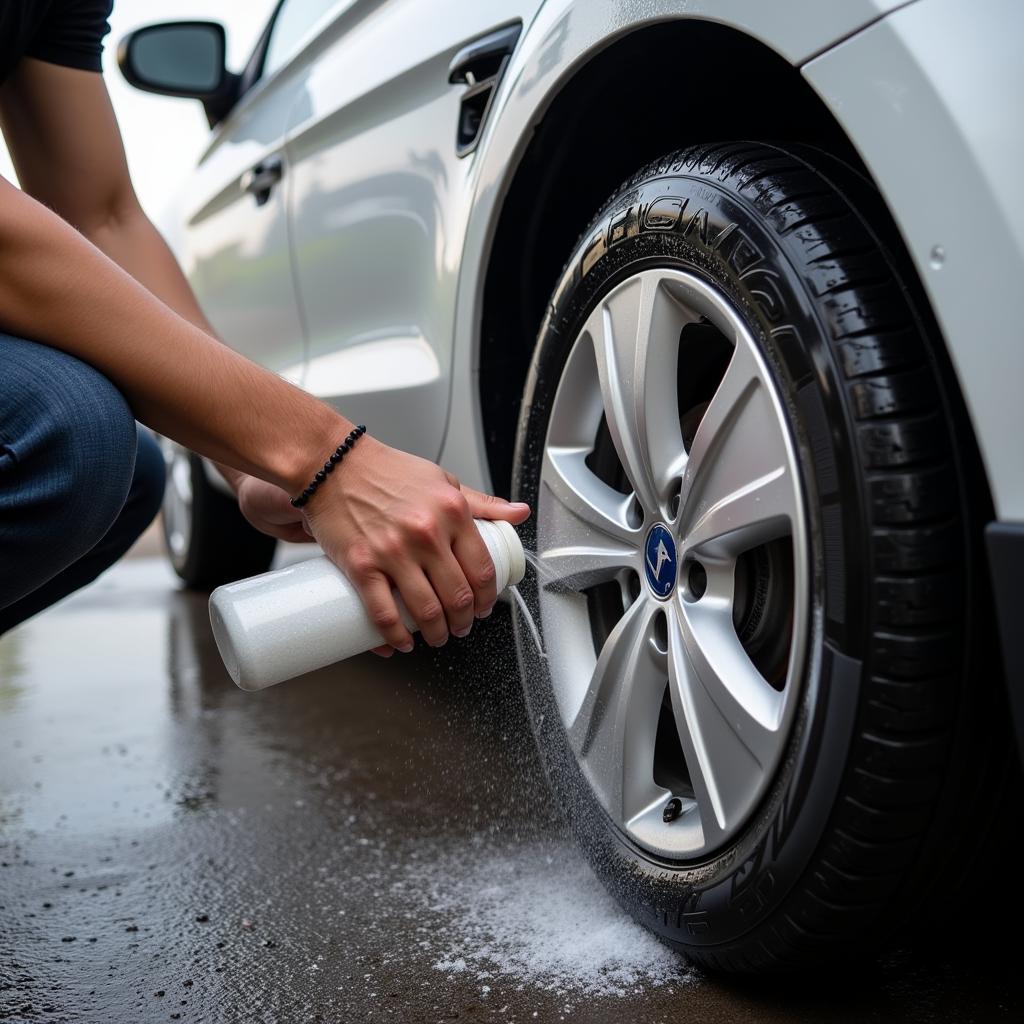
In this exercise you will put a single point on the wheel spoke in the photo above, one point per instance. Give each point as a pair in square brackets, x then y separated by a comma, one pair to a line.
[754, 514]
[726, 713]
[584, 499]
[578, 566]
[635, 333]
[614, 730]
[738, 490]
[746, 699]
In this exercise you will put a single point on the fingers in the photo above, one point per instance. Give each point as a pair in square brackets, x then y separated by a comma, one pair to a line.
[487, 506]
[438, 602]
[450, 584]
[375, 592]
[431, 554]
[424, 605]
[397, 565]
[475, 564]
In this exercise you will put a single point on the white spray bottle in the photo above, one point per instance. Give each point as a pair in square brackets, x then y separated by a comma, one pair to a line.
[279, 625]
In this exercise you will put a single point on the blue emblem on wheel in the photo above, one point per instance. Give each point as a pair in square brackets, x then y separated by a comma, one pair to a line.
[660, 559]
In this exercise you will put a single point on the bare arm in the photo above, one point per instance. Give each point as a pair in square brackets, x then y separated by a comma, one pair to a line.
[64, 139]
[66, 147]
[57, 288]
[385, 516]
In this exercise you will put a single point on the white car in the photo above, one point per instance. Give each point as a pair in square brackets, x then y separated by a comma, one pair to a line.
[729, 292]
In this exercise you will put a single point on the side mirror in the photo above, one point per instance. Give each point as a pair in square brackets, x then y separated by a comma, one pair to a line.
[181, 58]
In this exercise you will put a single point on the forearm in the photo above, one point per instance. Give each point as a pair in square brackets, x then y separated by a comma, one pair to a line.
[130, 239]
[57, 288]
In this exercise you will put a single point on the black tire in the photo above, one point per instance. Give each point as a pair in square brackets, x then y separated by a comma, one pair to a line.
[221, 546]
[823, 867]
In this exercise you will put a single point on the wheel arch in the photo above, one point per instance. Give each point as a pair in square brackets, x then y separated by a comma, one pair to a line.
[626, 105]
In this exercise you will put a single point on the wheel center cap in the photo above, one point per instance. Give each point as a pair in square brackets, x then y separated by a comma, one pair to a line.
[660, 561]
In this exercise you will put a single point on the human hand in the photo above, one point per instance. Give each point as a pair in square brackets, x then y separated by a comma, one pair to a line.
[269, 509]
[390, 519]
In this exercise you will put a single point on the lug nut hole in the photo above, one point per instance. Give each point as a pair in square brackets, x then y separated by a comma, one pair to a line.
[696, 581]
[661, 632]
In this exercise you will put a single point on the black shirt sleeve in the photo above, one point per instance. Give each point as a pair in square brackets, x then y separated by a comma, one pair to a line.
[72, 34]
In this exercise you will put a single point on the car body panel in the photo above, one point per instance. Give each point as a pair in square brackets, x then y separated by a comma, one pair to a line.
[902, 91]
[391, 232]
[236, 253]
[375, 191]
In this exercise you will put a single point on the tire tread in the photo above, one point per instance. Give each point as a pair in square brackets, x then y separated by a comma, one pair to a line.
[912, 503]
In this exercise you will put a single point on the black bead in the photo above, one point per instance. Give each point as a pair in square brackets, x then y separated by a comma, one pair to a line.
[342, 450]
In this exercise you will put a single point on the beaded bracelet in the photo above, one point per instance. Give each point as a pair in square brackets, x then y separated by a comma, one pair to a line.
[339, 453]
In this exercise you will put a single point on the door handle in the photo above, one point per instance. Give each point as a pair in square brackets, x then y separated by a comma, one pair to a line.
[482, 58]
[259, 182]
[480, 65]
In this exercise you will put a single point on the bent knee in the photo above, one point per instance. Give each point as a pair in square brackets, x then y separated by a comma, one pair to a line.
[72, 436]
[93, 432]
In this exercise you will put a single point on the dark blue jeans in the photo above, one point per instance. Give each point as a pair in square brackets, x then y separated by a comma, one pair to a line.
[79, 481]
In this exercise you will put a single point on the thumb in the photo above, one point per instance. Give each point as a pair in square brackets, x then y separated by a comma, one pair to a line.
[487, 506]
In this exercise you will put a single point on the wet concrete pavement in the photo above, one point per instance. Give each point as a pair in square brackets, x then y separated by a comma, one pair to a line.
[374, 842]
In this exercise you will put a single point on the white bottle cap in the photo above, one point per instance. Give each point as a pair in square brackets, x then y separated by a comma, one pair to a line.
[505, 547]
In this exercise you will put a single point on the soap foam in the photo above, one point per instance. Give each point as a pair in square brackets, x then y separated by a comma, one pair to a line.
[537, 916]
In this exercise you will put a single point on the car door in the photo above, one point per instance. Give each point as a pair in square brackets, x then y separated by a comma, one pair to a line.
[377, 193]
[236, 245]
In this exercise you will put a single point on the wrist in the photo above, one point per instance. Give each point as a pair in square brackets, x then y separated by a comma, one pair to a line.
[310, 448]
[329, 466]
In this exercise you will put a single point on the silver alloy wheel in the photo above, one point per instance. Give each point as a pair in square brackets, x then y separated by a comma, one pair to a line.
[177, 505]
[733, 489]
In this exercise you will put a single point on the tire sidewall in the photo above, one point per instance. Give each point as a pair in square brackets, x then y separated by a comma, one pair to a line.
[678, 217]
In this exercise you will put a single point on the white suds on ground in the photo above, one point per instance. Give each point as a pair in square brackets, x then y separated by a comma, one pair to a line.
[537, 917]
